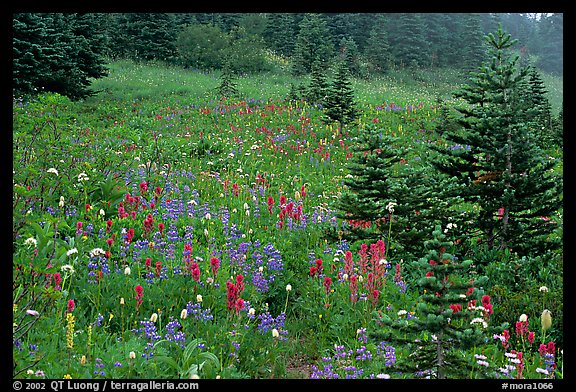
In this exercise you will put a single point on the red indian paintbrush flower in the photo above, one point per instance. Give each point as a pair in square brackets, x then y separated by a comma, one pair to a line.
[139, 295]
[214, 264]
[327, 284]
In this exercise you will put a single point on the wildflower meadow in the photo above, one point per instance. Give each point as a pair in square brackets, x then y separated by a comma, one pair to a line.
[162, 231]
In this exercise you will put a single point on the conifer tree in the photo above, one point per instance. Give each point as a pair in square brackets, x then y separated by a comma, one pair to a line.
[227, 87]
[377, 50]
[318, 88]
[57, 52]
[281, 40]
[541, 110]
[410, 47]
[469, 43]
[313, 43]
[340, 102]
[451, 316]
[501, 170]
[366, 203]
[387, 196]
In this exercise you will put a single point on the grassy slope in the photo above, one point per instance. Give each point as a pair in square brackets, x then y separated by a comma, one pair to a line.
[128, 80]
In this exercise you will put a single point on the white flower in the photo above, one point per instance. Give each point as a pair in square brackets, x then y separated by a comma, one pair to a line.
[543, 371]
[383, 375]
[31, 241]
[479, 320]
[97, 252]
[402, 312]
[543, 289]
[52, 170]
[121, 300]
[383, 261]
[83, 177]
[275, 333]
[288, 287]
[390, 207]
[183, 314]
[61, 202]
[71, 252]
[67, 268]
[199, 298]
[523, 318]
[154, 317]
[132, 355]
[127, 271]
[101, 212]
[483, 363]
[31, 312]
[251, 311]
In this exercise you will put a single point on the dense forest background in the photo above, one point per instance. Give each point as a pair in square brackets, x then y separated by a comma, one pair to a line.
[65, 52]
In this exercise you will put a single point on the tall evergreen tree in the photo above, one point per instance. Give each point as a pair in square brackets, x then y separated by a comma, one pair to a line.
[147, 36]
[470, 42]
[502, 170]
[56, 52]
[438, 38]
[541, 116]
[377, 49]
[551, 34]
[410, 47]
[313, 43]
[281, 32]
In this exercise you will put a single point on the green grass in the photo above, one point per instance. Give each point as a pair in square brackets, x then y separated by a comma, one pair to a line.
[129, 80]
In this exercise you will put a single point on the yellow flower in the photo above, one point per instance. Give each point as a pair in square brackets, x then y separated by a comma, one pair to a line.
[67, 377]
[546, 319]
[69, 330]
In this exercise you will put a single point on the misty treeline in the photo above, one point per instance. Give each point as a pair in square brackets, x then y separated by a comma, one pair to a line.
[62, 52]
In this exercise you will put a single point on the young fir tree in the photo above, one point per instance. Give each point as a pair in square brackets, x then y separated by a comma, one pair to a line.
[318, 88]
[451, 316]
[227, 87]
[365, 204]
[340, 103]
[501, 170]
[389, 195]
